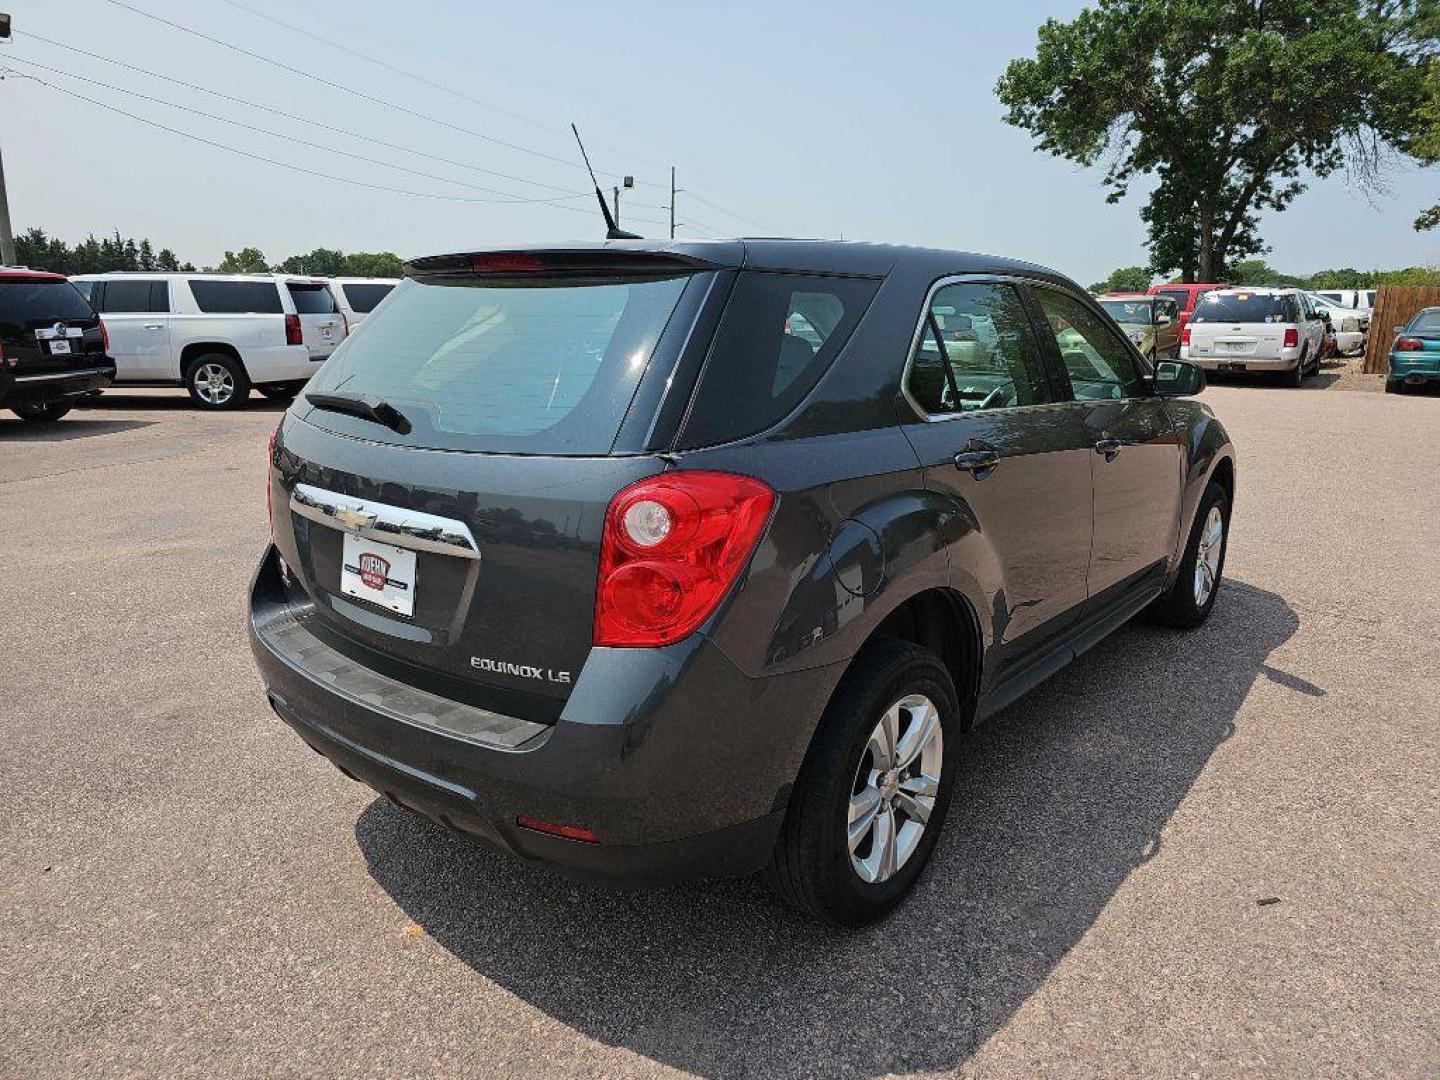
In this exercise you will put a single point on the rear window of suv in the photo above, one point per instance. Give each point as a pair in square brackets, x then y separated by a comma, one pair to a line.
[26, 301]
[312, 299]
[236, 297]
[547, 366]
[1245, 308]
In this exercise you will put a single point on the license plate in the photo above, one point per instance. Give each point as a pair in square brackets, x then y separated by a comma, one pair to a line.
[59, 348]
[1231, 346]
[381, 573]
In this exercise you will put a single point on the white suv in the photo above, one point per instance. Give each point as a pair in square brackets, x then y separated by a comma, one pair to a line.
[1277, 330]
[216, 334]
[357, 296]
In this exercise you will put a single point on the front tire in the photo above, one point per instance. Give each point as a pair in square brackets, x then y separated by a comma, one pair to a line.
[1192, 597]
[46, 413]
[872, 795]
[216, 381]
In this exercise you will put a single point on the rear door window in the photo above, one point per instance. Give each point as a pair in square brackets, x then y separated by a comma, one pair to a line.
[977, 350]
[236, 297]
[312, 299]
[1244, 308]
[779, 334]
[363, 297]
[1180, 296]
[544, 367]
[128, 295]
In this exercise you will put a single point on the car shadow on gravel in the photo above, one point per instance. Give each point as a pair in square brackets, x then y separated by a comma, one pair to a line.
[1060, 799]
[73, 426]
[170, 401]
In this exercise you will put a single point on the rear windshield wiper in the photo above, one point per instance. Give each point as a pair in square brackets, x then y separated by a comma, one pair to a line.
[365, 406]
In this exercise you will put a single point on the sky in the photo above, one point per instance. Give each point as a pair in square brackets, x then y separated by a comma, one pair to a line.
[858, 120]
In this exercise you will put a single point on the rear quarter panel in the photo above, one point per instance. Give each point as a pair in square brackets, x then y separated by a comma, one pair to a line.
[1206, 444]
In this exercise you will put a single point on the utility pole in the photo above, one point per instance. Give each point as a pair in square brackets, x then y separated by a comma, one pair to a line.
[672, 202]
[7, 239]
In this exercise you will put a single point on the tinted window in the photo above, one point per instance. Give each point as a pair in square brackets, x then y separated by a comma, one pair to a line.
[363, 298]
[536, 368]
[1334, 298]
[129, 294]
[85, 287]
[1180, 296]
[25, 301]
[312, 299]
[1427, 322]
[779, 334]
[1245, 308]
[1131, 311]
[977, 350]
[236, 297]
[1099, 363]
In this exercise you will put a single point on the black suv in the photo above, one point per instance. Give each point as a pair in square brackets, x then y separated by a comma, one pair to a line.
[655, 561]
[52, 346]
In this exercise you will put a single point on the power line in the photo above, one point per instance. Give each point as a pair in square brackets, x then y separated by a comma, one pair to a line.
[349, 89]
[507, 196]
[298, 118]
[401, 108]
[282, 164]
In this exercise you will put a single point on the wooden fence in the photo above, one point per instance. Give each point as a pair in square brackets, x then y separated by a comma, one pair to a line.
[1394, 306]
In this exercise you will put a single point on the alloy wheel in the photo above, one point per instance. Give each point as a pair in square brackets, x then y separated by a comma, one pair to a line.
[214, 384]
[895, 786]
[1207, 556]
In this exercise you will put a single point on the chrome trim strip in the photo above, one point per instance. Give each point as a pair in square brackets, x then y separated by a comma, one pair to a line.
[387, 524]
[52, 376]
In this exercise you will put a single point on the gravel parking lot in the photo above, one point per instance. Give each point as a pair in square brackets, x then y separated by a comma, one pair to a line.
[1207, 854]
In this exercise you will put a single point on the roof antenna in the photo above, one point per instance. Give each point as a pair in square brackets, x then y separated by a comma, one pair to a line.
[612, 231]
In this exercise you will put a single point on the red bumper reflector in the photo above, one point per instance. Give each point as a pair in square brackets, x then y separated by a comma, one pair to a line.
[569, 832]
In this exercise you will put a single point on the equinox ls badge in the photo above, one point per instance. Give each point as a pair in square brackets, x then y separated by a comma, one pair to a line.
[524, 671]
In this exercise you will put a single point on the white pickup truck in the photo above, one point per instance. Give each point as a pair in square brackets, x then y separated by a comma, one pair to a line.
[217, 335]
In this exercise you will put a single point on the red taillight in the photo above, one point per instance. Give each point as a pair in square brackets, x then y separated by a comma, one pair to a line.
[269, 464]
[506, 264]
[569, 832]
[1185, 336]
[1292, 338]
[672, 546]
[1409, 344]
[105, 337]
[293, 334]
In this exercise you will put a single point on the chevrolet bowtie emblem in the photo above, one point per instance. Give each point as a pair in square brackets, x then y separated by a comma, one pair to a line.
[352, 518]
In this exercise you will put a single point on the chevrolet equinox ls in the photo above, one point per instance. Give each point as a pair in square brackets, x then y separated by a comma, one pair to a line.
[653, 561]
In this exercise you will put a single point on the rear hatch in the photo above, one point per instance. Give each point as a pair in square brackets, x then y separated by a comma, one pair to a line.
[322, 327]
[47, 326]
[1237, 326]
[447, 528]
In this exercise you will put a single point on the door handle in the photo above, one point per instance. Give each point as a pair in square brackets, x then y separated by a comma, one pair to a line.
[979, 459]
[154, 326]
[1110, 448]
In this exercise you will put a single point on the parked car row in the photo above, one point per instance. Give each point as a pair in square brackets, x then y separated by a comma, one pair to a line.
[53, 348]
[218, 335]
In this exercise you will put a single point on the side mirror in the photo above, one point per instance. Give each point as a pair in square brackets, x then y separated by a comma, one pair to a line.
[1398, 329]
[1163, 320]
[1178, 378]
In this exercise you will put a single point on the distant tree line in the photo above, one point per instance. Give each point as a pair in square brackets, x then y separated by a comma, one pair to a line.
[38, 250]
[1259, 272]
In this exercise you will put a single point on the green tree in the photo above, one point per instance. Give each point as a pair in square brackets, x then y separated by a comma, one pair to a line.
[166, 260]
[373, 264]
[1427, 145]
[1226, 103]
[245, 261]
[1125, 279]
[326, 262]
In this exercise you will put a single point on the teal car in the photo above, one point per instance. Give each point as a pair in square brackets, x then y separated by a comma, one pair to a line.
[1415, 356]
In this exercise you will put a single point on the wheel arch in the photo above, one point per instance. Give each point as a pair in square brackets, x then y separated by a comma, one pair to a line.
[196, 349]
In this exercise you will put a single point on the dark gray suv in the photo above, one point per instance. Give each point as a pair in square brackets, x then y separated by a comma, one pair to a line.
[654, 561]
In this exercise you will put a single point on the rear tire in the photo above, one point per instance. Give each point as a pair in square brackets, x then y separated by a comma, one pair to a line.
[1187, 604]
[47, 413]
[1393, 387]
[217, 381]
[1296, 379]
[845, 789]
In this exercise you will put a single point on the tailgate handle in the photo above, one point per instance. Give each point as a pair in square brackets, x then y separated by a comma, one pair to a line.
[387, 524]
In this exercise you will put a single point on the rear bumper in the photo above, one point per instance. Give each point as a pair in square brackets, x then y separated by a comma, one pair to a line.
[279, 363]
[20, 389]
[1245, 363]
[678, 763]
[1414, 376]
